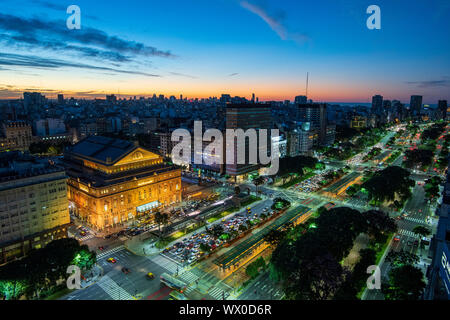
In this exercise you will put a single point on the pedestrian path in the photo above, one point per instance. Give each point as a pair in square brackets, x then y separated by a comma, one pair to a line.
[165, 263]
[111, 251]
[85, 238]
[415, 220]
[113, 289]
[218, 293]
[188, 277]
[408, 233]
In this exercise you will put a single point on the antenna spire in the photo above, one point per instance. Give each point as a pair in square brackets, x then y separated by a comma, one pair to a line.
[307, 82]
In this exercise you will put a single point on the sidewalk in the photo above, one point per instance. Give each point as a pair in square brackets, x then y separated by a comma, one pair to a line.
[92, 276]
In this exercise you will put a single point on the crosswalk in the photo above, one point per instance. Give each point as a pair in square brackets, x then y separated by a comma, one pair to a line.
[165, 263]
[85, 238]
[111, 251]
[113, 289]
[188, 277]
[415, 220]
[218, 293]
[408, 233]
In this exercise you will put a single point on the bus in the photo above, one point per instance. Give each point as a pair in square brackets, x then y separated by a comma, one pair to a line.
[173, 283]
[178, 296]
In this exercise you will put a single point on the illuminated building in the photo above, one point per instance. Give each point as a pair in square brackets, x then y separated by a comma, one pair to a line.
[246, 116]
[33, 204]
[113, 181]
[358, 122]
[17, 135]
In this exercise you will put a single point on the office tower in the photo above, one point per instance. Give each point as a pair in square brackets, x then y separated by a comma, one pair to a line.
[33, 204]
[415, 105]
[112, 181]
[316, 114]
[246, 116]
[377, 104]
[111, 99]
[60, 99]
[33, 101]
[300, 99]
[442, 107]
[438, 273]
[387, 105]
[253, 98]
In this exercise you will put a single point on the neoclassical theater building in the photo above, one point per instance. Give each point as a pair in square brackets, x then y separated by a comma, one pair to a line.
[113, 181]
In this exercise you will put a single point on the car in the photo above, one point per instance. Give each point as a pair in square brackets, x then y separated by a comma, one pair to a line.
[111, 260]
[126, 270]
[397, 238]
[101, 248]
[83, 233]
[150, 276]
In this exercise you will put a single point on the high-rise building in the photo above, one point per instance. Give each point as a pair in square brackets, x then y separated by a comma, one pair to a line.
[33, 204]
[415, 105]
[300, 99]
[112, 181]
[246, 116]
[442, 106]
[61, 99]
[111, 99]
[33, 100]
[438, 274]
[377, 104]
[316, 115]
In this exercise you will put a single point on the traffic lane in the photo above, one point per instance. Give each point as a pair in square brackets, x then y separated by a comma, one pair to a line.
[262, 288]
[93, 292]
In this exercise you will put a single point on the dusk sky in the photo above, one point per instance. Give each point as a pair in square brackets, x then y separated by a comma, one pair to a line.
[203, 48]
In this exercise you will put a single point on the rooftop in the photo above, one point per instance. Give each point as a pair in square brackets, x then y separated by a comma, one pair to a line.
[103, 150]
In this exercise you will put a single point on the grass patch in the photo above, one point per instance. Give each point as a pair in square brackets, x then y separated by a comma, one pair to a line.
[59, 294]
[381, 251]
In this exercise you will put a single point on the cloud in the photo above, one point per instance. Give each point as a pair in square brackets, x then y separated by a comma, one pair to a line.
[58, 7]
[17, 60]
[430, 83]
[275, 22]
[88, 42]
[233, 74]
[183, 75]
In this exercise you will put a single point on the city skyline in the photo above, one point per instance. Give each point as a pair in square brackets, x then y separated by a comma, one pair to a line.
[204, 49]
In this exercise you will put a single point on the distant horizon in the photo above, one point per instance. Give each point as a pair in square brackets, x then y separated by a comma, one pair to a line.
[135, 47]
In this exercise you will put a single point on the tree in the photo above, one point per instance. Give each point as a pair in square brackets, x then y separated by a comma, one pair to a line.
[405, 283]
[388, 184]
[161, 219]
[257, 182]
[379, 223]
[421, 231]
[401, 258]
[204, 247]
[274, 237]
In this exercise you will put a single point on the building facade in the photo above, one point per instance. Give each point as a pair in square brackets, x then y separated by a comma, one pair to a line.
[111, 181]
[33, 205]
[17, 136]
[246, 116]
